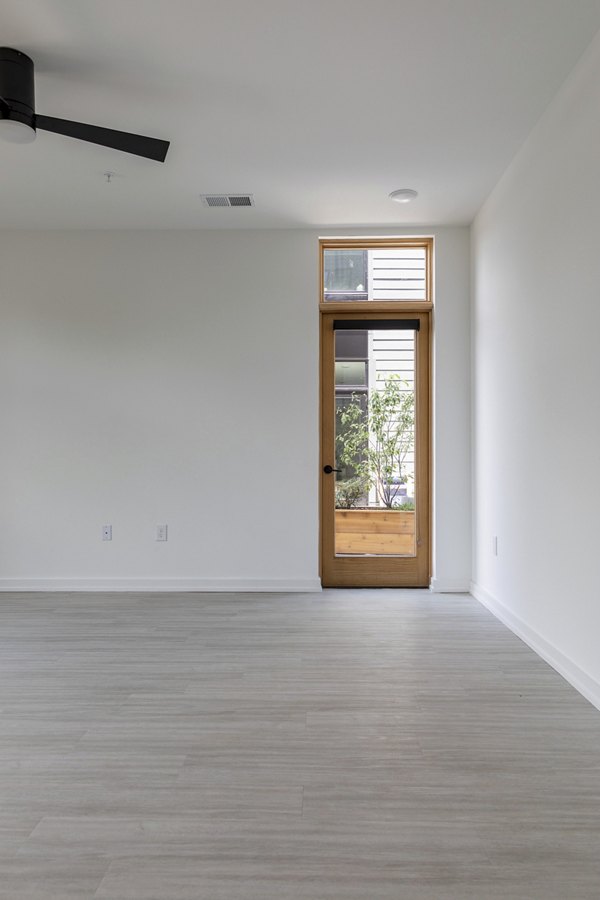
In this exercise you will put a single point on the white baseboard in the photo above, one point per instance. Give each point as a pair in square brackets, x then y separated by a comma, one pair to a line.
[163, 585]
[450, 586]
[570, 671]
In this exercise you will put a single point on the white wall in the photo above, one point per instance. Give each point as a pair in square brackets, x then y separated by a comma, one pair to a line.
[536, 374]
[172, 377]
[452, 414]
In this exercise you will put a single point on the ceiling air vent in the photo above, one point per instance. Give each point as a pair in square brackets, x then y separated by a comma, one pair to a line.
[227, 199]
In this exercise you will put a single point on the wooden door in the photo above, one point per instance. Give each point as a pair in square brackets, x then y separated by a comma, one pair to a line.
[375, 449]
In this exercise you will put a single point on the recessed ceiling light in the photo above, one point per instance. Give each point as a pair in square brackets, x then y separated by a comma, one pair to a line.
[404, 195]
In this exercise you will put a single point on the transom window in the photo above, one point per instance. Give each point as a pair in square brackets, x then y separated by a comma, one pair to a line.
[390, 270]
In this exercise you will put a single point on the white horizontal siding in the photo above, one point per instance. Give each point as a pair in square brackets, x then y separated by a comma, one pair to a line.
[393, 353]
[398, 294]
[397, 274]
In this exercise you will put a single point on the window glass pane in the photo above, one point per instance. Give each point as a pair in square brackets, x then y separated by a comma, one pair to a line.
[352, 344]
[351, 372]
[345, 274]
[380, 273]
[345, 463]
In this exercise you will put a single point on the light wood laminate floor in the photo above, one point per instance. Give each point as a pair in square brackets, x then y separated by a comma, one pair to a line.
[354, 745]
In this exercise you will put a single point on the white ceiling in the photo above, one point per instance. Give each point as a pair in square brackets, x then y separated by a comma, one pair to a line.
[319, 108]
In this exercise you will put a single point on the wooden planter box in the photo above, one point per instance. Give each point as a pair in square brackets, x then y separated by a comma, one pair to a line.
[378, 531]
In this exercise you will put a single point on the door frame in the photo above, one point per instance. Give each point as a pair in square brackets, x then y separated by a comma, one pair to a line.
[376, 571]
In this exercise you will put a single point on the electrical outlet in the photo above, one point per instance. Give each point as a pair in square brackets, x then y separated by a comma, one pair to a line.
[495, 545]
[161, 532]
[107, 532]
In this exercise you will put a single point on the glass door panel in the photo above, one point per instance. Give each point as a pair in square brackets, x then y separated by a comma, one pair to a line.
[375, 442]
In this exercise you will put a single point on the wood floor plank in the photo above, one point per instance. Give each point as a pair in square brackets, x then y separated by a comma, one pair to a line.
[354, 745]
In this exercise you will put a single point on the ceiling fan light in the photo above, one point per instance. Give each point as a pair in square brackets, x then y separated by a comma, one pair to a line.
[16, 132]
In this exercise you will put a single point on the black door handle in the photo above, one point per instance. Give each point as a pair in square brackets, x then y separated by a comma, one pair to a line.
[329, 469]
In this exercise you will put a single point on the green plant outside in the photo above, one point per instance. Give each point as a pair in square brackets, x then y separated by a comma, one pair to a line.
[376, 443]
[348, 494]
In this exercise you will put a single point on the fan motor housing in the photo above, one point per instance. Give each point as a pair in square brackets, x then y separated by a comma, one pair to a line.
[17, 109]
[17, 86]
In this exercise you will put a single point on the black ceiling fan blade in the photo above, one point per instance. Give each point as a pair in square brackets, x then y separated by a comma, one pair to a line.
[4, 107]
[138, 144]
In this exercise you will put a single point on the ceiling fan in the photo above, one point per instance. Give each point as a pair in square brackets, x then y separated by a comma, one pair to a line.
[19, 120]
